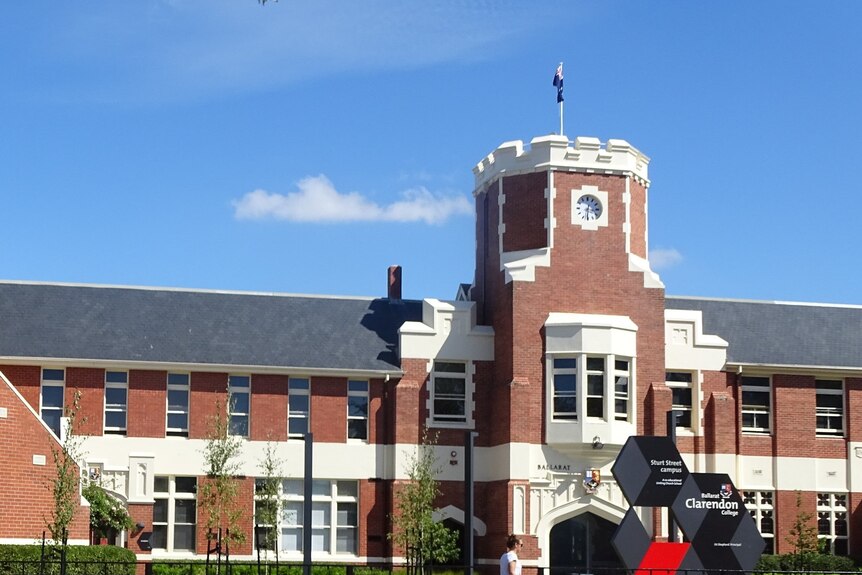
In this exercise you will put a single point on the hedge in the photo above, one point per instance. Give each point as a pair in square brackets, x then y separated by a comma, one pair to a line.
[80, 560]
[246, 568]
[816, 562]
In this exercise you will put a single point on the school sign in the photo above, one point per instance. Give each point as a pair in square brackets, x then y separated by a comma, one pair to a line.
[707, 507]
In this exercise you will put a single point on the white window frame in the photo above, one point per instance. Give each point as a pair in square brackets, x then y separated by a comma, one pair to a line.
[589, 372]
[238, 385]
[832, 514]
[298, 387]
[50, 380]
[172, 496]
[682, 379]
[326, 521]
[173, 384]
[464, 421]
[560, 366]
[357, 390]
[761, 507]
[827, 388]
[756, 410]
[116, 379]
[625, 396]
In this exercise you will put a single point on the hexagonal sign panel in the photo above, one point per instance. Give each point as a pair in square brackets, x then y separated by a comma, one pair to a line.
[710, 511]
[650, 471]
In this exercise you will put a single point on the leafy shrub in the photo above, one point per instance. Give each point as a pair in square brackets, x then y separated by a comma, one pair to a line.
[80, 560]
[199, 568]
[812, 562]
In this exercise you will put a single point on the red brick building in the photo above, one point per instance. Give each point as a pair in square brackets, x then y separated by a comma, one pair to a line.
[562, 347]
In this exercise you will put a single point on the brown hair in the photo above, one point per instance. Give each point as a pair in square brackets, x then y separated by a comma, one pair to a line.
[512, 540]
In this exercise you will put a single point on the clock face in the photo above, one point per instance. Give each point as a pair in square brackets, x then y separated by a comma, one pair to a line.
[588, 208]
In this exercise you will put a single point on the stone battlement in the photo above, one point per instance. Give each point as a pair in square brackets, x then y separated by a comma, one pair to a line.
[587, 155]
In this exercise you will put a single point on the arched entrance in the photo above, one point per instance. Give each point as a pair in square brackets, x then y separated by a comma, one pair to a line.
[582, 544]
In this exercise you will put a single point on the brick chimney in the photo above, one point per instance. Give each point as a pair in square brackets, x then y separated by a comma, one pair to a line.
[394, 283]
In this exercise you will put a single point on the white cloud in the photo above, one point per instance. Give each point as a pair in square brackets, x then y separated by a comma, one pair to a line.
[664, 258]
[317, 200]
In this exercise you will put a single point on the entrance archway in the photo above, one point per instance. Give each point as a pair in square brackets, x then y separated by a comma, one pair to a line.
[582, 544]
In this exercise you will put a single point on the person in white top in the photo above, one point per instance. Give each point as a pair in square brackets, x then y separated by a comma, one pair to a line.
[509, 563]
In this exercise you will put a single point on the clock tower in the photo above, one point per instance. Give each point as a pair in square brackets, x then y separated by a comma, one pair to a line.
[563, 277]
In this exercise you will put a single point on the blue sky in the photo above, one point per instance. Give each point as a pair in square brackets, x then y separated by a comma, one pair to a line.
[303, 147]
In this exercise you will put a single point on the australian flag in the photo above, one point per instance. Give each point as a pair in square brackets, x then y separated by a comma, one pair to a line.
[558, 82]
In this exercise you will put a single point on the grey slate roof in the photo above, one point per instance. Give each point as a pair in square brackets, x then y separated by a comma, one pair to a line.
[782, 333]
[200, 327]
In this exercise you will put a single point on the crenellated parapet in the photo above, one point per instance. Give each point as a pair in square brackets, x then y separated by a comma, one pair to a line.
[588, 155]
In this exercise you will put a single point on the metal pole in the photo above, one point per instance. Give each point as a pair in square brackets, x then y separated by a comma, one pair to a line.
[468, 503]
[671, 432]
[306, 506]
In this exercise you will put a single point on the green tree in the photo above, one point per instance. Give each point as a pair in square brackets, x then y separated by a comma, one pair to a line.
[65, 485]
[268, 503]
[414, 528]
[803, 535]
[107, 514]
[218, 494]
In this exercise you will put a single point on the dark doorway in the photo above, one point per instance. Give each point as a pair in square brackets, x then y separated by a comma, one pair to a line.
[582, 544]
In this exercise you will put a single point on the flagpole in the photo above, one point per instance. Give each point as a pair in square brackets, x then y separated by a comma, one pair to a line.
[561, 119]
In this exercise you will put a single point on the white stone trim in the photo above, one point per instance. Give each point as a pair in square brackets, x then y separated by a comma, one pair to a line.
[687, 347]
[553, 152]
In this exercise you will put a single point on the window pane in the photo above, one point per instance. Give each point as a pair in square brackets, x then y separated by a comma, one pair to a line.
[755, 398]
[178, 379]
[297, 383]
[347, 488]
[160, 511]
[319, 540]
[184, 537]
[239, 402]
[595, 407]
[298, 426]
[357, 406]
[595, 384]
[115, 396]
[449, 367]
[596, 363]
[178, 421]
[565, 363]
[319, 514]
[621, 385]
[345, 541]
[346, 515]
[52, 396]
[184, 510]
[52, 374]
[292, 514]
[681, 396]
[677, 377]
[621, 365]
[565, 405]
[186, 484]
[353, 385]
[291, 539]
[178, 400]
[51, 417]
[116, 377]
[321, 487]
[161, 484]
[238, 381]
[833, 401]
[449, 386]
[292, 487]
[159, 538]
[115, 419]
[450, 407]
[565, 382]
[298, 403]
[239, 425]
[357, 429]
